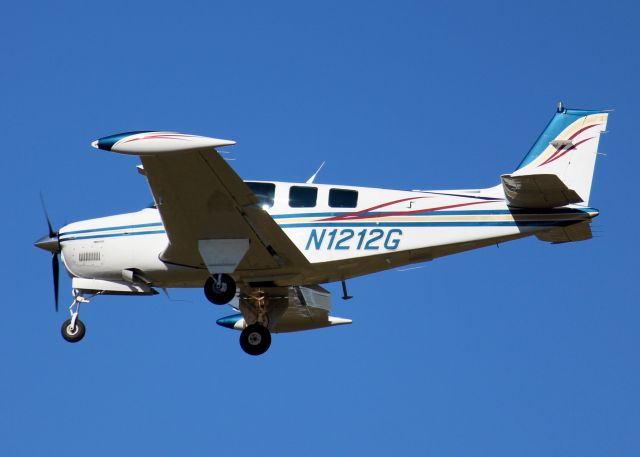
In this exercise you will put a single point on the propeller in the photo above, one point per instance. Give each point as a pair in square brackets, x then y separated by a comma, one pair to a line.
[51, 243]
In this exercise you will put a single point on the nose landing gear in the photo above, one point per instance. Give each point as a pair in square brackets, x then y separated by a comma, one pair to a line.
[73, 329]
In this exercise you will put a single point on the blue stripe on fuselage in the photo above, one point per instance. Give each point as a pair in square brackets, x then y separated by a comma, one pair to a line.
[550, 223]
[106, 229]
[541, 212]
[352, 222]
[111, 235]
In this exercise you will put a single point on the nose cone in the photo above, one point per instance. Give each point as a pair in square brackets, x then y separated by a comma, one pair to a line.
[48, 243]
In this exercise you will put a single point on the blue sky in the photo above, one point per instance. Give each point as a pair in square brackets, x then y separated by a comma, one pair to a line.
[528, 349]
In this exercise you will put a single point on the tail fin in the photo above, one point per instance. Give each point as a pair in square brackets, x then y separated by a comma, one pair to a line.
[567, 148]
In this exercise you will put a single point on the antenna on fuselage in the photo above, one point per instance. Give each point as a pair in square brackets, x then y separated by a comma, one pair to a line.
[313, 176]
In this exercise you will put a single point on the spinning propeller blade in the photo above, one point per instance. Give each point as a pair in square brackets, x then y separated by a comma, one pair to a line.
[51, 243]
[52, 234]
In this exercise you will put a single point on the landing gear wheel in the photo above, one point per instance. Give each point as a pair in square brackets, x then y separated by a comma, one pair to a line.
[220, 289]
[255, 339]
[73, 335]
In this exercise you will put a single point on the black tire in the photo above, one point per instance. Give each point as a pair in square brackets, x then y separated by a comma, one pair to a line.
[255, 339]
[73, 335]
[224, 293]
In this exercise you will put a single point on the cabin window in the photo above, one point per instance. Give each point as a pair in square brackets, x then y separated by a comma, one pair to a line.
[265, 191]
[302, 196]
[343, 198]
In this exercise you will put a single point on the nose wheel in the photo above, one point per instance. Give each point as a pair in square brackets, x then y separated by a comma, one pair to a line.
[73, 331]
[220, 289]
[255, 339]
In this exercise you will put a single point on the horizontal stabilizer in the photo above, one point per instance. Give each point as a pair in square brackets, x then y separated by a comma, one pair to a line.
[575, 232]
[538, 191]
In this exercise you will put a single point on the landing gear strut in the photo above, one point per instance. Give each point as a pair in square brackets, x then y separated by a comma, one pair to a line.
[220, 289]
[255, 339]
[73, 329]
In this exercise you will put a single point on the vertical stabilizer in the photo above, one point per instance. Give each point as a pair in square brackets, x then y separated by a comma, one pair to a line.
[567, 148]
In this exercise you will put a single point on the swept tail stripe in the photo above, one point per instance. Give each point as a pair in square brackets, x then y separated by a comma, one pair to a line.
[582, 130]
[556, 157]
[555, 154]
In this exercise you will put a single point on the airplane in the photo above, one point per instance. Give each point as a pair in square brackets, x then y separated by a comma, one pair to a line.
[265, 247]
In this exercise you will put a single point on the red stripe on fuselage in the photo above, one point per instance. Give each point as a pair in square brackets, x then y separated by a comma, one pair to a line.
[356, 214]
[361, 215]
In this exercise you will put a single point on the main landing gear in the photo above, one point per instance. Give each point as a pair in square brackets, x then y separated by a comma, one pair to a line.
[220, 289]
[255, 339]
[73, 329]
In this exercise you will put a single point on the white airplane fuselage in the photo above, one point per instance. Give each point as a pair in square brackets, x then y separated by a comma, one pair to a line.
[385, 229]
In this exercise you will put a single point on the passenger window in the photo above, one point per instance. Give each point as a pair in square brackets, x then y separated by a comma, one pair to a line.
[265, 191]
[303, 197]
[343, 198]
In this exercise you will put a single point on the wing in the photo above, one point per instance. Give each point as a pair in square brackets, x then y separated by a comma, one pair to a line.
[200, 197]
